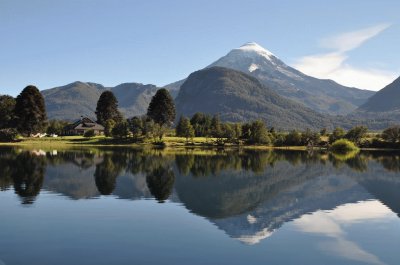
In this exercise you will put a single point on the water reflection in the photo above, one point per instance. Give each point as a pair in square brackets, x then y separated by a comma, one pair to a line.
[247, 194]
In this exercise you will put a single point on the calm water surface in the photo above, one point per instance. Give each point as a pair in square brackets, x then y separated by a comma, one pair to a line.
[104, 206]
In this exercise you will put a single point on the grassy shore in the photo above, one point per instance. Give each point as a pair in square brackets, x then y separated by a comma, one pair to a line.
[170, 142]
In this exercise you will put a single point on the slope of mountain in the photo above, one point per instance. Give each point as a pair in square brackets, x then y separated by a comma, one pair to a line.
[383, 107]
[387, 99]
[236, 96]
[71, 101]
[79, 98]
[324, 96]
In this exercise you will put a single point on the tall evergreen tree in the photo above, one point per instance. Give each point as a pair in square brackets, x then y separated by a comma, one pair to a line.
[7, 107]
[30, 111]
[162, 108]
[107, 108]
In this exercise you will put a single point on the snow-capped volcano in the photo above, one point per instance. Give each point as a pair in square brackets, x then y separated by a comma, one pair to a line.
[252, 48]
[324, 96]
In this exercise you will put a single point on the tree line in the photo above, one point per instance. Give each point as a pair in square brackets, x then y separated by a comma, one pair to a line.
[26, 115]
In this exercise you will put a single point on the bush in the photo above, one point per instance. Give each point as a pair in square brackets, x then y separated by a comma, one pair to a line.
[121, 130]
[343, 146]
[89, 133]
[8, 135]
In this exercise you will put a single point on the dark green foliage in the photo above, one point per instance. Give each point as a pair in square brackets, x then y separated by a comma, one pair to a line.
[392, 134]
[56, 127]
[160, 182]
[30, 111]
[310, 138]
[149, 127]
[108, 127]
[7, 107]
[121, 130]
[107, 108]
[107, 172]
[356, 134]
[89, 134]
[136, 127]
[338, 133]
[323, 132]
[256, 133]
[232, 132]
[28, 175]
[293, 138]
[215, 128]
[184, 128]
[8, 135]
[201, 124]
[162, 108]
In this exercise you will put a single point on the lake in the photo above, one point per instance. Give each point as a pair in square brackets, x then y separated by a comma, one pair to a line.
[126, 206]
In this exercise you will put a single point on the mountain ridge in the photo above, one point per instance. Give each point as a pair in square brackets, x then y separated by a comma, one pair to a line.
[322, 95]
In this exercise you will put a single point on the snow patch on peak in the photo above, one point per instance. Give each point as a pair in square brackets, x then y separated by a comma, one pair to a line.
[253, 67]
[254, 47]
[256, 238]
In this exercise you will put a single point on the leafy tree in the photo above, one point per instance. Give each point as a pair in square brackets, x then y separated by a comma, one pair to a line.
[293, 138]
[215, 127]
[136, 127]
[309, 137]
[356, 134]
[323, 132]
[8, 135]
[7, 107]
[338, 133]
[184, 128]
[30, 111]
[107, 108]
[259, 133]
[108, 127]
[56, 127]
[121, 130]
[148, 128]
[201, 124]
[392, 134]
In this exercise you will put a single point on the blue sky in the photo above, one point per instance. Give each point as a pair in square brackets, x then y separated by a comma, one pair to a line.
[53, 42]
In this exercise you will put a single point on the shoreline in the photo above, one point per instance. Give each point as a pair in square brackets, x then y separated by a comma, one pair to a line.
[170, 143]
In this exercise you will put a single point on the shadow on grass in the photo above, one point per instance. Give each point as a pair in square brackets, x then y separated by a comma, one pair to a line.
[106, 141]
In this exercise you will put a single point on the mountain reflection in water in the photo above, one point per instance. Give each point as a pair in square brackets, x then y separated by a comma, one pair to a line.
[247, 194]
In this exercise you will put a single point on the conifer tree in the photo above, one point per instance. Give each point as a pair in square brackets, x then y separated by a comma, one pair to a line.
[30, 111]
[107, 108]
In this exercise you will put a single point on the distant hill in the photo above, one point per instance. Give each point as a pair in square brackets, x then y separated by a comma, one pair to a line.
[236, 96]
[325, 96]
[382, 108]
[80, 98]
[387, 99]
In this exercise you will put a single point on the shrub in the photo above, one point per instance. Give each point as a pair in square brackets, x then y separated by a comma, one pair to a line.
[343, 146]
[121, 130]
[8, 135]
[89, 133]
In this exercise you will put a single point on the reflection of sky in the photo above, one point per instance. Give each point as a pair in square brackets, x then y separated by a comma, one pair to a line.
[334, 224]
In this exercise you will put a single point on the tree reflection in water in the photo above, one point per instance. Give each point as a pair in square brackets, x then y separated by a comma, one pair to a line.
[161, 182]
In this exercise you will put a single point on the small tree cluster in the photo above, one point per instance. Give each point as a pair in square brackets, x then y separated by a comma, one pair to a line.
[184, 128]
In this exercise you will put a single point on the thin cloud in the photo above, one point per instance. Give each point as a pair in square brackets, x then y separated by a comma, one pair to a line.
[332, 65]
[354, 39]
